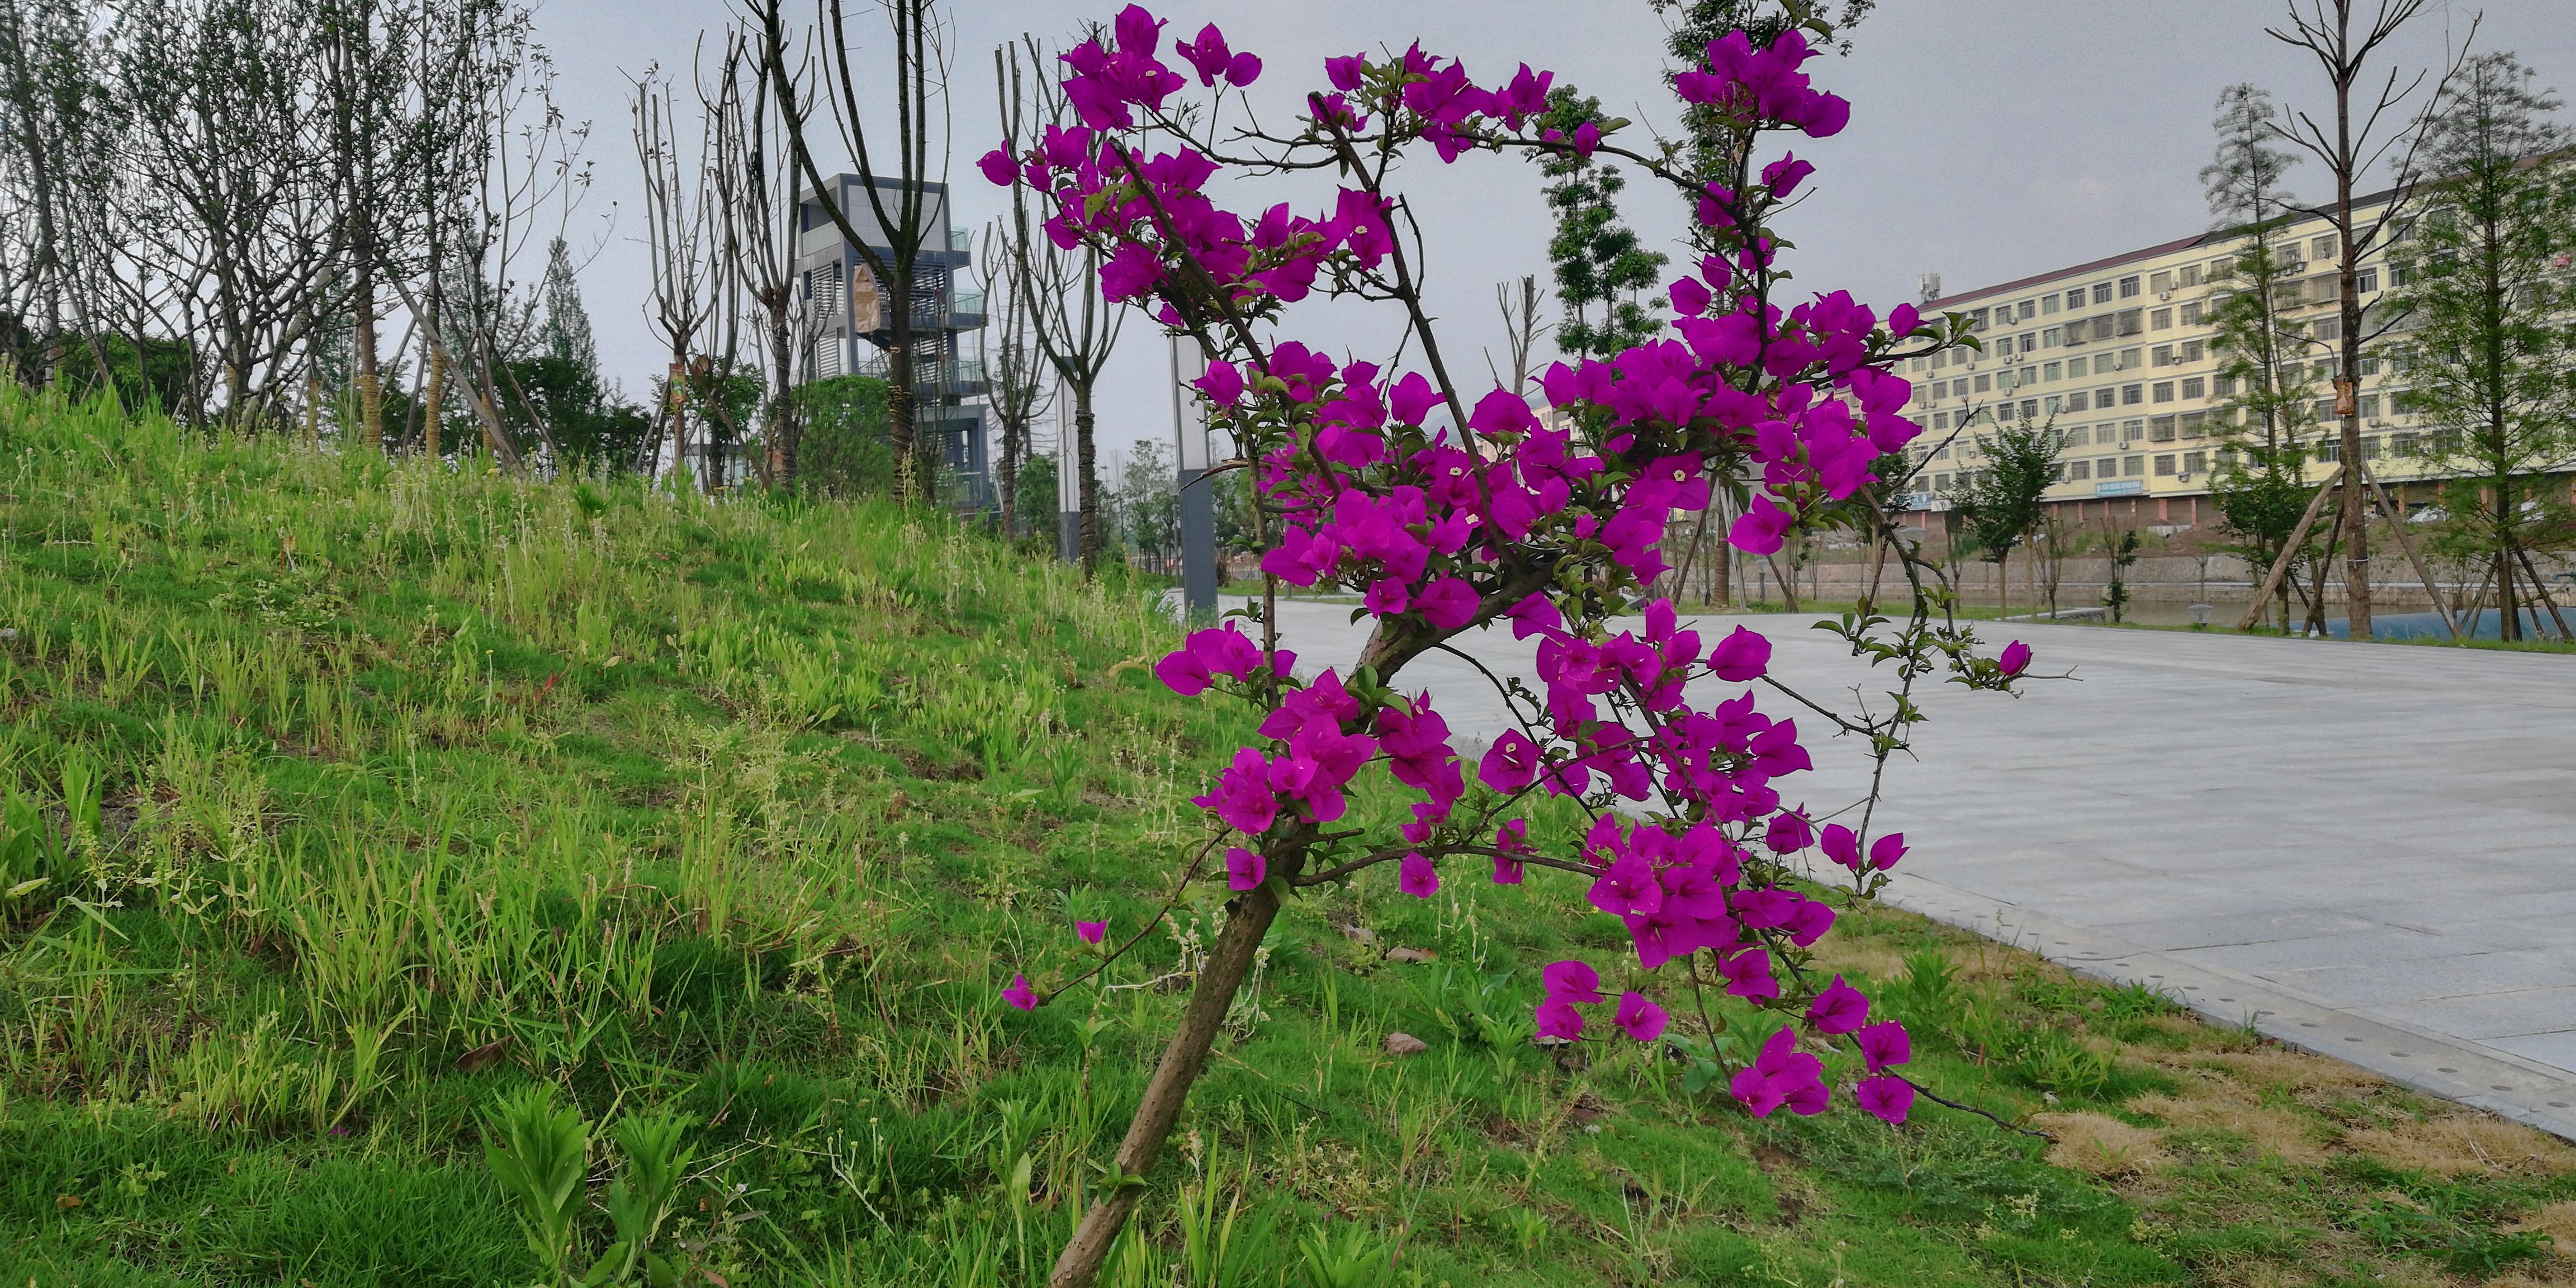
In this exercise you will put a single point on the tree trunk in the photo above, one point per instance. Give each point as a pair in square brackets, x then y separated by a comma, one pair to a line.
[1168, 1092]
[433, 399]
[1092, 538]
[2508, 610]
[783, 429]
[371, 380]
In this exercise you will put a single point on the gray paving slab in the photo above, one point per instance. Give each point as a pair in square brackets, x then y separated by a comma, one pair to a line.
[2367, 851]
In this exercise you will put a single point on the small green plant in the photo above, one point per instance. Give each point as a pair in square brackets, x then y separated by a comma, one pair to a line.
[641, 1200]
[1353, 1258]
[541, 1155]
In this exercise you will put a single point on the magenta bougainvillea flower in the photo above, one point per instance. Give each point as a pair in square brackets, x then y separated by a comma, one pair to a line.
[1639, 1018]
[1883, 1045]
[1886, 1096]
[1092, 932]
[1839, 1009]
[1445, 507]
[1019, 995]
[1244, 868]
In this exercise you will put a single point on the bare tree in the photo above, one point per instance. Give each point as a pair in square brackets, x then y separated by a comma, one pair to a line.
[897, 219]
[2350, 147]
[756, 197]
[1074, 328]
[676, 232]
[1016, 375]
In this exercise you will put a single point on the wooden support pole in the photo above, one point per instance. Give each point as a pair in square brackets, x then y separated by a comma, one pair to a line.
[2397, 525]
[2289, 551]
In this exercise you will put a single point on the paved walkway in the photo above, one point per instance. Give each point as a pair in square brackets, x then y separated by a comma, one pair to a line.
[2366, 851]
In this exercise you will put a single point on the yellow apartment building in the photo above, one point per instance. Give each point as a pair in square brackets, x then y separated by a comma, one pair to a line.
[2119, 353]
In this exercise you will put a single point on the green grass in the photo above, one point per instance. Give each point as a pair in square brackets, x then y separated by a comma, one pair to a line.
[353, 804]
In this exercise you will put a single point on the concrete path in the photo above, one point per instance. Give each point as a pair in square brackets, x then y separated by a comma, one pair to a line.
[2367, 851]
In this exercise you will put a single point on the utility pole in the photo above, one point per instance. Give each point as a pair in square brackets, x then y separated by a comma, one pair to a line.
[1197, 506]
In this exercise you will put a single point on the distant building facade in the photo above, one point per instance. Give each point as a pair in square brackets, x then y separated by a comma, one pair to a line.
[2120, 353]
[851, 318]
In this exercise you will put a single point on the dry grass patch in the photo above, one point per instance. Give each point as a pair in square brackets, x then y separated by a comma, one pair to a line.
[2291, 1071]
[2100, 1145]
[2458, 1144]
[2275, 1131]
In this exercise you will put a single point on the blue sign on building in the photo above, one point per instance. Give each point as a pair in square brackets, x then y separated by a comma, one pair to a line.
[2120, 487]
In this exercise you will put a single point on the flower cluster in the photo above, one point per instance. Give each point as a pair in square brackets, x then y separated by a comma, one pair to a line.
[1444, 514]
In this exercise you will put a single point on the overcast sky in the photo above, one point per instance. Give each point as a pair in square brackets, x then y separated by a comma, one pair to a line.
[1990, 139]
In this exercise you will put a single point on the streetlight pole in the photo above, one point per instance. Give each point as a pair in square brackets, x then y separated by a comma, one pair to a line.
[1197, 506]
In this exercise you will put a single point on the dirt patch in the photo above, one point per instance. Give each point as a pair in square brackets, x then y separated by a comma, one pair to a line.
[2465, 1143]
[2100, 1145]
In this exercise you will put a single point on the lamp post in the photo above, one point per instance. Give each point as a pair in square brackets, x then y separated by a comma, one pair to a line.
[1197, 506]
[1068, 485]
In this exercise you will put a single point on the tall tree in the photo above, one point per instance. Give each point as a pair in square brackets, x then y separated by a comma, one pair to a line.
[678, 219]
[2486, 348]
[2264, 378]
[1074, 327]
[898, 219]
[2346, 46]
[1602, 269]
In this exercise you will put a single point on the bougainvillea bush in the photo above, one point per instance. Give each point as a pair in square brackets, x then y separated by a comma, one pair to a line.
[1449, 509]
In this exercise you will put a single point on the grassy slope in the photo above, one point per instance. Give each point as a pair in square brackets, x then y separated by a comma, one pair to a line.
[389, 790]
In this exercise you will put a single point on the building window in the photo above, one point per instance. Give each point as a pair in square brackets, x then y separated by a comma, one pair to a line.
[2029, 309]
[2029, 408]
[2165, 466]
[1942, 453]
[2128, 288]
[2370, 406]
[2048, 371]
[2164, 392]
[2191, 275]
[2029, 341]
[2160, 429]
[2194, 424]
[2132, 321]
[2324, 288]
[2366, 280]
[2163, 355]
[2048, 335]
[2370, 448]
[2101, 292]
[2222, 386]
[2402, 443]
[2048, 304]
[2195, 462]
[2078, 470]
[2160, 320]
[2191, 351]
[1985, 384]
[2330, 451]
[2129, 359]
[2133, 465]
[2053, 404]
[2077, 401]
[2194, 388]
[2108, 467]
[2220, 267]
[2132, 430]
[1940, 482]
[2191, 314]
[2322, 247]
[2132, 395]
[2160, 283]
[1941, 420]
[2370, 364]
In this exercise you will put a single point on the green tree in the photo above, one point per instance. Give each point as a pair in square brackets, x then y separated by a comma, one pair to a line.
[2000, 506]
[847, 449]
[1602, 268]
[2264, 377]
[2485, 347]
